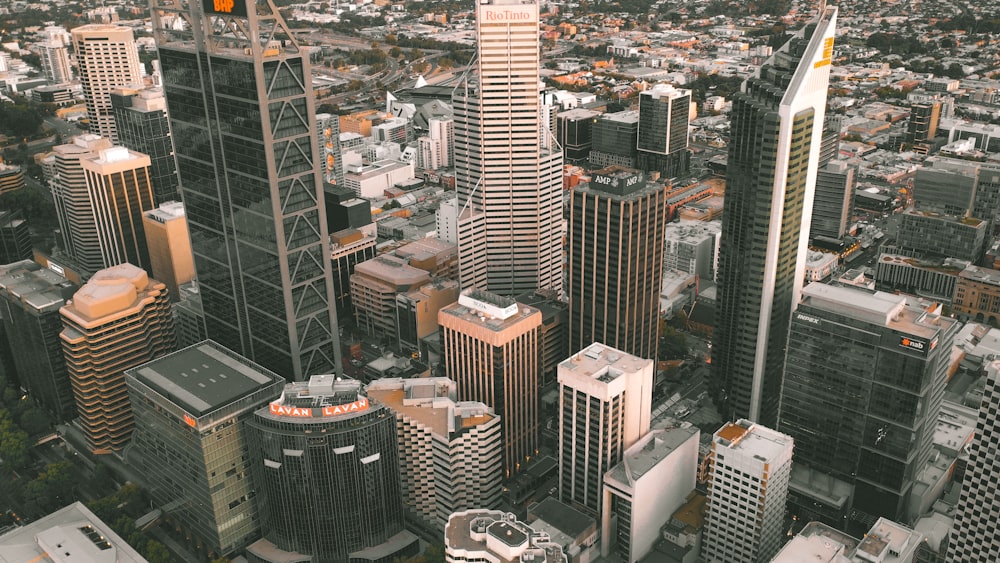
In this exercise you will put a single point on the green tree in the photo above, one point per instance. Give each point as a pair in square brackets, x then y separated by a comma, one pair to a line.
[673, 344]
[434, 553]
[14, 443]
[445, 63]
[156, 552]
[38, 210]
[34, 421]
[53, 488]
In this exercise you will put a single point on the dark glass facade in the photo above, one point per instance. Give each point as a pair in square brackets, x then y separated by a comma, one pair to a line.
[862, 393]
[616, 263]
[246, 146]
[30, 299]
[327, 486]
[147, 131]
[613, 139]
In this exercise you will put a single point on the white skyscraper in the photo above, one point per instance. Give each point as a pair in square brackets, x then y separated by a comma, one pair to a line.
[747, 487]
[605, 398]
[509, 186]
[107, 59]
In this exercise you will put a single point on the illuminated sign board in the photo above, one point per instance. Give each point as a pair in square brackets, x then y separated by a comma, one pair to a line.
[190, 421]
[278, 409]
[914, 344]
[226, 7]
[619, 183]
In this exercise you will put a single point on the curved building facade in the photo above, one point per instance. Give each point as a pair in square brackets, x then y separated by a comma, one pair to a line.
[326, 467]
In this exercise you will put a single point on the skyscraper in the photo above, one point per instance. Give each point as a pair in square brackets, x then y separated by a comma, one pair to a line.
[30, 299]
[975, 536]
[117, 320]
[141, 124]
[55, 61]
[664, 113]
[832, 203]
[169, 246]
[509, 185]
[107, 59]
[328, 131]
[77, 225]
[616, 239]
[864, 380]
[190, 440]
[491, 353]
[605, 398]
[241, 109]
[326, 471]
[120, 192]
[450, 452]
[749, 470]
[777, 127]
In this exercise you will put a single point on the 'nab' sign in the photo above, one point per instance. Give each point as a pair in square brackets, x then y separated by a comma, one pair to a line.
[234, 7]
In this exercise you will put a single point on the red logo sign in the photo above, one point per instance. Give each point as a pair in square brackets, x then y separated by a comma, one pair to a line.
[301, 412]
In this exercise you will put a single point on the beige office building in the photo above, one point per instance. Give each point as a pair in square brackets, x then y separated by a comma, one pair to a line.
[491, 351]
[120, 191]
[68, 185]
[107, 59]
[605, 403]
[120, 319]
[450, 452]
[508, 178]
[169, 245]
[374, 287]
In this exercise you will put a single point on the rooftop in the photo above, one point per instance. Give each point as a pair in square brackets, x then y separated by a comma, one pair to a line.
[430, 401]
[753, 439]
[320, 399]
[203, 377]
[111, 291]
[489, 310]
[603, 363]
[888, 542]
[650, 450]
[563, 517]
[817, 543]
[981, 275]
[502, 535]
[883, 309]
[166, 212]
[37, 288]
[70, 534]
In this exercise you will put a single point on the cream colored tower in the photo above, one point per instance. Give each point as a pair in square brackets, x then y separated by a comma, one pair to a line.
[107, 59]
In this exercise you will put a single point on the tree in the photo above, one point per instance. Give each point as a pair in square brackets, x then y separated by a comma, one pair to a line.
[446, 64]
[395, 52]
[53, 488]
[14, 443]
[434, 553]
[38, 209]
[673, 344]
[34, 421]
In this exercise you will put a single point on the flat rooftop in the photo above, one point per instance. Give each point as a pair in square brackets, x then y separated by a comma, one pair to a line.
[72, 533]
[202, 378]
[35, 287]
[650, 450]
[563, 517]
[884, 309]
[981, 275]
[496, 527]
[753, 439]
[603, 363]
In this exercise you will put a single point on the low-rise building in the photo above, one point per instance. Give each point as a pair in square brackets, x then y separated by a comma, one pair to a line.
[493, 536]
[977, 295]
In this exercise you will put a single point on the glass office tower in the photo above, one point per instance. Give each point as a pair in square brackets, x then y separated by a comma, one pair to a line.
[241, 113]
[777, 129]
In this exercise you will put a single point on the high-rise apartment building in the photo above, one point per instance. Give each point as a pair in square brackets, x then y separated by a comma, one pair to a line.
[442, 130]
[30, 299]
[328, 137]
[120, 192]
[450, 452]
[605, 398]
[777, 129]
[169, 246]
[832, 201]
[142, 126]
[923, 124]
[68, 184]
[241, 111]
[615, 261]
[325, 465]
[118, 320]
[429, 153]
[107, 59]
[190, 443]
[664, 113]
[508, 183]
[864, 380]
[55, 61]
[749, 469]
[491, 352]
[974, 536]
